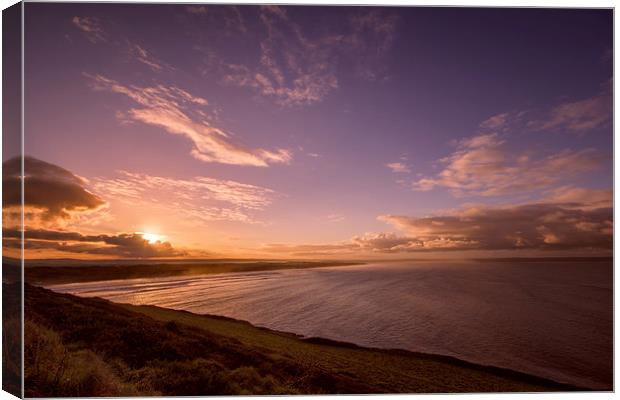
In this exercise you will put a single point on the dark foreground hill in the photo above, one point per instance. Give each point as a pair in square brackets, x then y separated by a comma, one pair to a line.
[92, 347]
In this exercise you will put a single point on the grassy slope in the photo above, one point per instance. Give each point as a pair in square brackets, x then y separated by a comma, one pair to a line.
[396, 371]
[49, 275]
[159, 351]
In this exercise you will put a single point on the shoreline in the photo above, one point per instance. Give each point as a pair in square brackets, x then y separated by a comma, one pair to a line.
[58, 275]
[541, 376]
[500, 371]
[454, 360]
[537, 377]
[111, 331]
[51, 274]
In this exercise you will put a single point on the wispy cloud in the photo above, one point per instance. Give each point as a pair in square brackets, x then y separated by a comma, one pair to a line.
[296, 70]
[141, 55]
[398, 167]
[227, 15]
[198, 10]
[91, 27]
[483, 166]
[576, 197]
[371, 39]
[171, 108]
[504, 122]
[197, 199]
[577, 116]
[336, 217]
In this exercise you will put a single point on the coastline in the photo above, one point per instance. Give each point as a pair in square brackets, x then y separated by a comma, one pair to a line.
[321, 341]
[46, 273]
[321, 365]
[247, 332]
[55, 275]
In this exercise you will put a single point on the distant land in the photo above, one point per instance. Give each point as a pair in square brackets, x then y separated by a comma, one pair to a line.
[50, 272]
[48, 275]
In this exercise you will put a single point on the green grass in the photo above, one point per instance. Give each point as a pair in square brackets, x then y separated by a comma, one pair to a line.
[146, 350]
[388, 371]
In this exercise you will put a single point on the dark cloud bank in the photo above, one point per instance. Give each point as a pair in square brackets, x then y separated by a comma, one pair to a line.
[544, 226]
[52, 195]
[126, 245]
[47, 187]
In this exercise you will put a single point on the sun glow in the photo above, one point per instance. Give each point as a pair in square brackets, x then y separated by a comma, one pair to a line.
[151, 237]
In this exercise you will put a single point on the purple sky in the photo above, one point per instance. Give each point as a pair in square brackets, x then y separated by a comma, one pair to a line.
[326, 131]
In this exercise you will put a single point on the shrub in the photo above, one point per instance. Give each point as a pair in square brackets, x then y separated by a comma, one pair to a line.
[247, 381]
[11, 355]
[52, 370]
[182, 378]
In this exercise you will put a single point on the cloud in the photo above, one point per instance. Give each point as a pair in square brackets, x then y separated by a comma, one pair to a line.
[371, 243]
[91, 27]
[581, 197]
[123, 245]
[198, 10]
[542, 226]
[483, 166]
[52, 193]
[171, 108]
[504, 122]
[94, 32]
[227, 15]
[296, 70]
[197, 199]
[372, 35]
[398, 167]
[56, 198]
[537, 226]
[494, 122]
[335, 217]
[577, 116]
[141, 55]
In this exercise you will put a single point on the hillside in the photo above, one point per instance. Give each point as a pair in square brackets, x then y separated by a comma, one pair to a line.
[92, 347]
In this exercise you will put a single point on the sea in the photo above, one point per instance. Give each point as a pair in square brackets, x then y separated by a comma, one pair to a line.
[553, 319]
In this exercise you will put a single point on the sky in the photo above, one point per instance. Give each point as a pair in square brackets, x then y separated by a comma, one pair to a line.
[157, 130]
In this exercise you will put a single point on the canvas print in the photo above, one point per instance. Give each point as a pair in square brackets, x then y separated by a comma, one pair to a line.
[285, 199]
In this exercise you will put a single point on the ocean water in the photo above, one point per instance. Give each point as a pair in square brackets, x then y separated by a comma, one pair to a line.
[551, 319]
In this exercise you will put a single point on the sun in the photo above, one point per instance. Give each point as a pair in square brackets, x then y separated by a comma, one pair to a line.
[151, 237]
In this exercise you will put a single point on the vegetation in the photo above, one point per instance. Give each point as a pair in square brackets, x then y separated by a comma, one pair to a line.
[11, 353]
[11, 330]
[92, 347]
